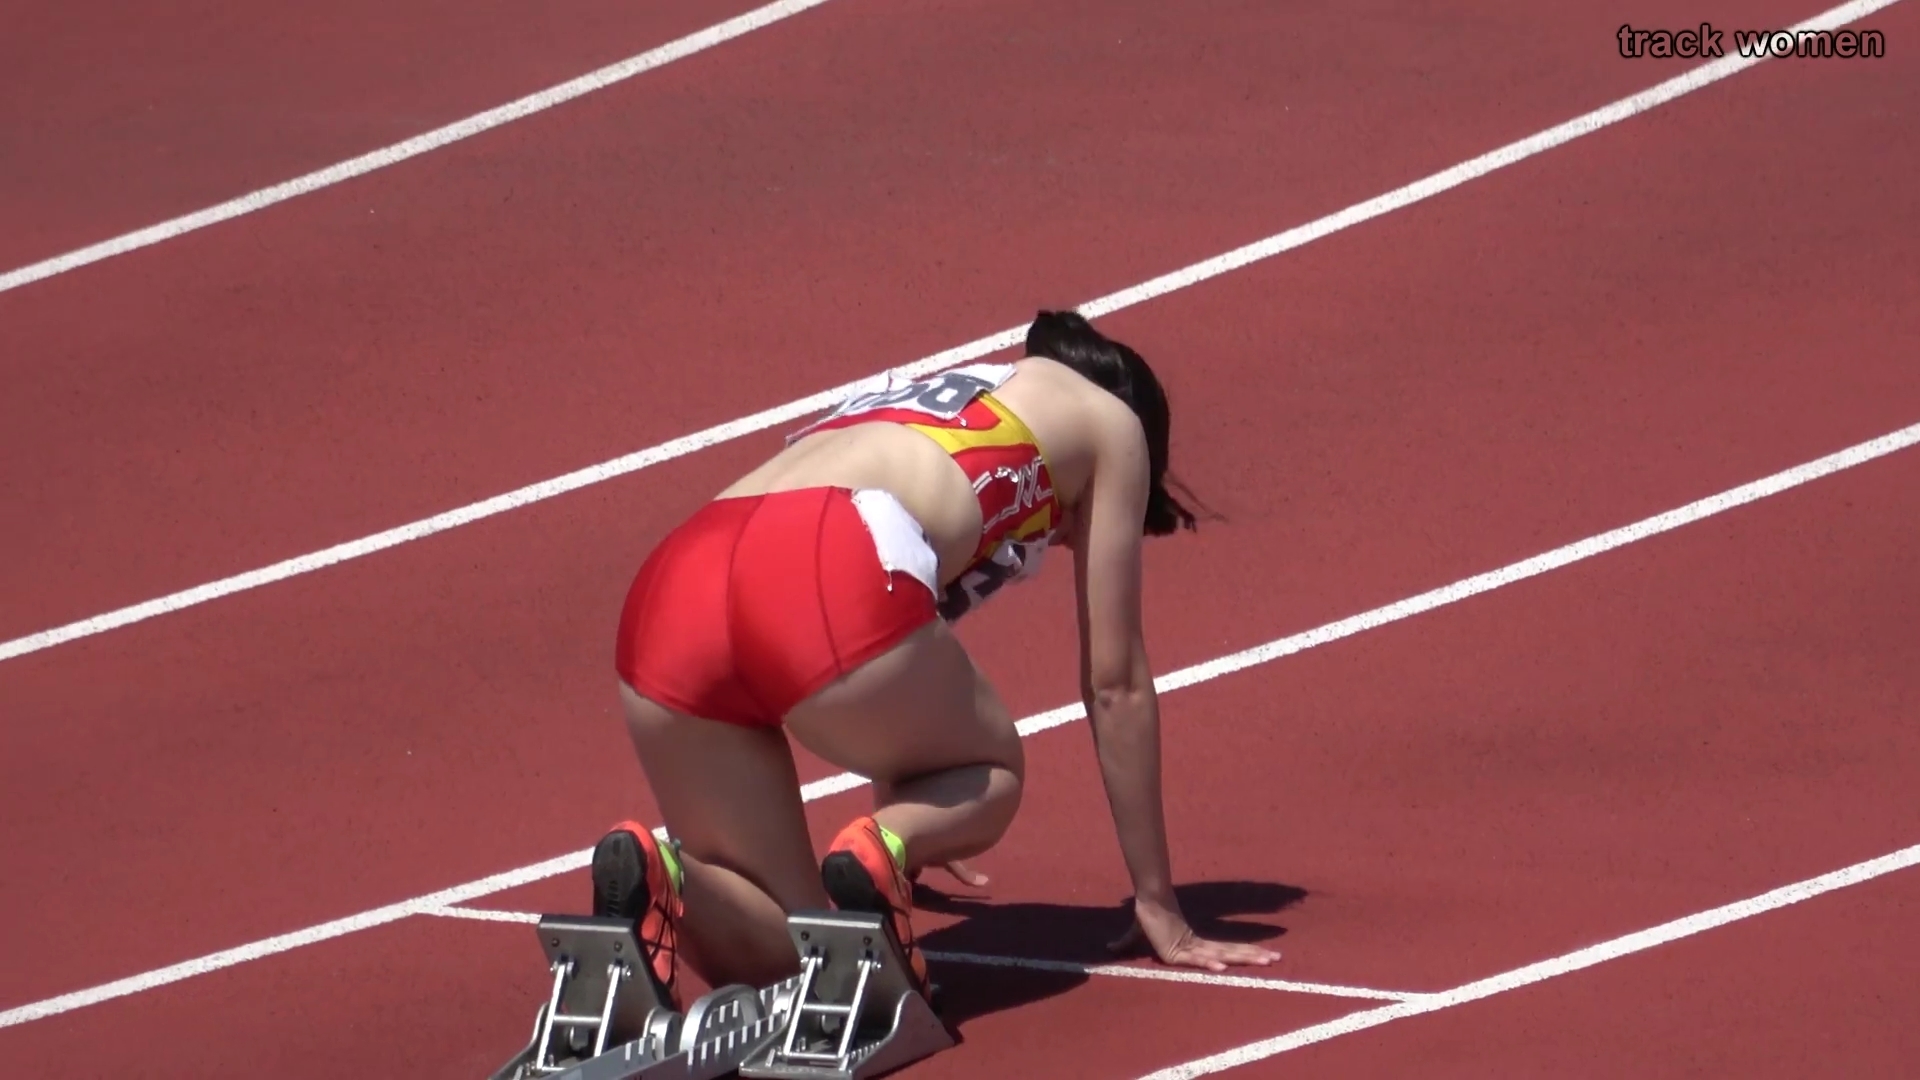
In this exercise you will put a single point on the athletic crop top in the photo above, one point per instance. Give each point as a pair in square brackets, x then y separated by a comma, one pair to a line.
[956, 409]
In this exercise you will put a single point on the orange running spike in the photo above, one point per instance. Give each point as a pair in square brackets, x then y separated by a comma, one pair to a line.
[631, 881]
[861, 875]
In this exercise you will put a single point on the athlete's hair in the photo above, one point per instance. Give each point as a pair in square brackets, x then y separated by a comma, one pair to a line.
[1068, 338]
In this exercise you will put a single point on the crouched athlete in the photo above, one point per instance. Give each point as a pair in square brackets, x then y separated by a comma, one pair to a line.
[816, 594]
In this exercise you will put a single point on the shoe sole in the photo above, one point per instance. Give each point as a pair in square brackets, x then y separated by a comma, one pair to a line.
[620, 877]
[620, 890]
[851, 888]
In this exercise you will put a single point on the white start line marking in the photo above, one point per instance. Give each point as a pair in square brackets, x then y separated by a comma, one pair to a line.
[1061, 967]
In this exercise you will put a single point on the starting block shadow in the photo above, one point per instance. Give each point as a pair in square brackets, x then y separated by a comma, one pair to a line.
[1223, 910]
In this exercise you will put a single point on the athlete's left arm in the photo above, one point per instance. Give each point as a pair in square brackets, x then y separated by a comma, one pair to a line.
[1116, 682]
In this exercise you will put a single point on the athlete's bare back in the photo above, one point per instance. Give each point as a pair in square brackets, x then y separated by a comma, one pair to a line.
[1065, 412]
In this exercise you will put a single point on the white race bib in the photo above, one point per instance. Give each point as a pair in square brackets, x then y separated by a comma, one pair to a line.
[942, 395]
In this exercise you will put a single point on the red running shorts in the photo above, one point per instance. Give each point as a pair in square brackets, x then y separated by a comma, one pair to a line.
[756, 603]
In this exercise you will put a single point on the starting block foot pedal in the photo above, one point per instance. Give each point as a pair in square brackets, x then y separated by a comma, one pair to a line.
[604, 1021]
[853, 1012]
[601, 996]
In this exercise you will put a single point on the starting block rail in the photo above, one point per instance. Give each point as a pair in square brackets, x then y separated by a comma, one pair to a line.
[852, 1013]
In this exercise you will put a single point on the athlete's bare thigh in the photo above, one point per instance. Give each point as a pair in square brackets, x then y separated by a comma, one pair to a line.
[731, 797]
[919, 708]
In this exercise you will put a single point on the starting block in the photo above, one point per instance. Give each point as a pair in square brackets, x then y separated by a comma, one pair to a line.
[603, 1021]
[851, 1014]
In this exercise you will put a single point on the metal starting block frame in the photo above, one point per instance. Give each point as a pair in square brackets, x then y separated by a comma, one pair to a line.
[603, 1021]
[851, 1014]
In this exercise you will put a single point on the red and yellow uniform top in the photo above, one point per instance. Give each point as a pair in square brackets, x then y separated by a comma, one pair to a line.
[957, 409]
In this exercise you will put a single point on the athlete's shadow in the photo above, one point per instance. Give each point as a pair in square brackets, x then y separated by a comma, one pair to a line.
[1069, 935]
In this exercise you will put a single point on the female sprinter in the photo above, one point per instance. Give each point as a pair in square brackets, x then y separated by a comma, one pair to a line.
[816, 594]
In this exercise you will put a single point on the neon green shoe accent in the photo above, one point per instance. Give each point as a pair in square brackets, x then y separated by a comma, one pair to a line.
[896, 847]
[670, 854]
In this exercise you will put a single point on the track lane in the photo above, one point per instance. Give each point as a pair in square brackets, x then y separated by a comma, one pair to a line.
[114, 117]
[1679, 724]
[454, 1000]
[1821, 988]
[505, 310]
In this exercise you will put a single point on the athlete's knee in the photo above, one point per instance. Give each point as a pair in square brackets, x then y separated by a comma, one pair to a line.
[1005, 775]
[1010, 801]
[1009, 752]
[995, 808]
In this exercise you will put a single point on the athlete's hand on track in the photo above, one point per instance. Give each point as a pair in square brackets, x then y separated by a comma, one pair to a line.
[965, 875]
[1175, 943]
[961, 872]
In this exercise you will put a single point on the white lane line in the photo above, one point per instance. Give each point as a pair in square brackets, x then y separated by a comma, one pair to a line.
[1586, 124]
[1546, 969]
[1160, 974]
[1064, 967]
[1198, 673]
[1180, 279]
[482, 914]
[326, 931]
[607, 76]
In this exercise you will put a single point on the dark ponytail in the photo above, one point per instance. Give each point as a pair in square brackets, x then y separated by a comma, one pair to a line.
[1068, 338]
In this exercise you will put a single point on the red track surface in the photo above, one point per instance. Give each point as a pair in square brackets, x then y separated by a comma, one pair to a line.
[1697, 297]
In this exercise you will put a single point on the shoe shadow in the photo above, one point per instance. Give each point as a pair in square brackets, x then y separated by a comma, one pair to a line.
[1071, 934]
